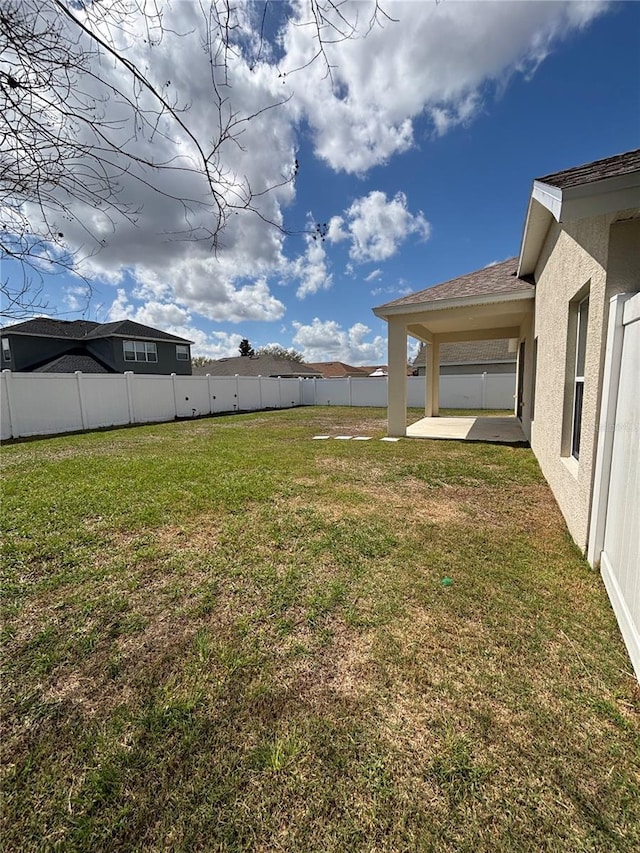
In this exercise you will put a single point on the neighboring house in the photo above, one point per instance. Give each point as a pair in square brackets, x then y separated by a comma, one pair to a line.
[257, 365]
[338, 369]
[470, 358]
[45, 345]
[580, 249]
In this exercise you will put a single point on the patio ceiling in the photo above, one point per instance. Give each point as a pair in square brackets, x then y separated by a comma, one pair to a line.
[468, 322]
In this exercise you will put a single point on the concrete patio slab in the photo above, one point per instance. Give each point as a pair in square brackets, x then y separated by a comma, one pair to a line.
[505, 430]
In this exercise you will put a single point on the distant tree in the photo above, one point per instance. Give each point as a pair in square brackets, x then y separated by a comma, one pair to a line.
[245, 348]
[277, 351]
[201, 360]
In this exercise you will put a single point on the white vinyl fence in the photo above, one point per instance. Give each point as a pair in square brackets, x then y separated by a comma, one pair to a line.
[50, 403]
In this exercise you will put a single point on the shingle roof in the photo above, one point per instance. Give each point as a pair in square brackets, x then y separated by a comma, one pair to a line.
[88, 330]
[128, 328]
[470, 352]
[338, 369]
[70, 362]
[263, 365]
[492, 280]
[598, 170]
[49, 327]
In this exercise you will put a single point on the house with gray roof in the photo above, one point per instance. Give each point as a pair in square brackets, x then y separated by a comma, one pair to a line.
[47, 345]
[470, 358]
[570, 300]
[257, 365]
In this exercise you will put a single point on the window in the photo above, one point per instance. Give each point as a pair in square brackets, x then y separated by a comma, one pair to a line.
[140, 351]
[182, 352]
[578, 382]
[6, 350]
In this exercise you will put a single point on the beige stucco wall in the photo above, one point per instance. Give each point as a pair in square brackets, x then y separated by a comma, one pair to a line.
[601, 256]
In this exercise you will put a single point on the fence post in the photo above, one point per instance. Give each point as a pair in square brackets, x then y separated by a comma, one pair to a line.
[280, 390]
[6, 381]
[208, 378]
[350, 391]
[83, 418]
[483, 391]
[237, 403]
[132, 412]
[175, 395]
[260, 392]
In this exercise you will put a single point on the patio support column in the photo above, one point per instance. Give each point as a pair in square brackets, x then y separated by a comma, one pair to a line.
[428, 360]
[397, 379]
[434, 379]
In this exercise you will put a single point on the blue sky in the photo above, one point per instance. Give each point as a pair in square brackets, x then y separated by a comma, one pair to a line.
[419, 158]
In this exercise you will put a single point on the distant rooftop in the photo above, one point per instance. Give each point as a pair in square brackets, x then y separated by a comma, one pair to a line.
[262, 365]
[470, 352]
[598, 170]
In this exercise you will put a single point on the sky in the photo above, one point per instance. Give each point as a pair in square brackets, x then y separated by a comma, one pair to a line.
[415, 155]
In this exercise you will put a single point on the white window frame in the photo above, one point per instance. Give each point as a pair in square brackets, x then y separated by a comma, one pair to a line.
[6, 349]
[140, 351]
[582, 323]
[182, 352]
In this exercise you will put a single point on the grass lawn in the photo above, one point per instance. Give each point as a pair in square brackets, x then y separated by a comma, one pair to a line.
[220, 635]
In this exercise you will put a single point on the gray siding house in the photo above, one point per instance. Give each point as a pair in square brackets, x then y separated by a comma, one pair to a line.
[470, 358]
[45, 345]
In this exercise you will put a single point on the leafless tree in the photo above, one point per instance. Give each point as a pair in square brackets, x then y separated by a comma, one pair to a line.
[62, 149]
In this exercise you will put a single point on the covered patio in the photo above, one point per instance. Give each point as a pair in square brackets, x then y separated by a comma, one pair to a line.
[488, 304]
[501, 430]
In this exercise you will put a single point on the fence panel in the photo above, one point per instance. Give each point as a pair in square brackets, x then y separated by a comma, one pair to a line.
[192, 396]
[461, 392]
[415, 391]
[369, 392]
[499, 390]
[290, 392]
[308, 393]
[333, 392]
[6, 425]
[42, 403]
[223, 391]
[270, 390]
[151, 398]
[104, 401]
[249, 394]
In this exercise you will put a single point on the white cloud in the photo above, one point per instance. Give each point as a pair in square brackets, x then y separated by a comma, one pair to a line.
[442, 60]
[401, 289]
[373, 275]
[173, 319]
[377, 227]
[436, 60]
[328, 341]
[311, 268]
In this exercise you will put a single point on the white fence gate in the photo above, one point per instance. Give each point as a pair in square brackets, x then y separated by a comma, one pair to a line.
[615, 522]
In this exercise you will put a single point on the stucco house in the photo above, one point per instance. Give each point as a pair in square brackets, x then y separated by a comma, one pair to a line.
[567, 298]
[47, 345]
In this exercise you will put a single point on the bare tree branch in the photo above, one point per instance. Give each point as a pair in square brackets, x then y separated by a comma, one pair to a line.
[81, 117]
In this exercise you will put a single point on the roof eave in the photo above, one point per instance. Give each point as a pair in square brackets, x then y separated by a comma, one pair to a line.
[384, 311]
[621, 192]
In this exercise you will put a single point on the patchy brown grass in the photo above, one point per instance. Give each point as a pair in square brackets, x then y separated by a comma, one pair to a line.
[236, 638]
